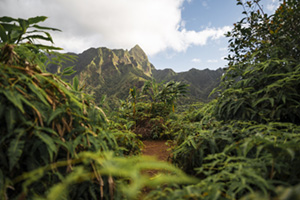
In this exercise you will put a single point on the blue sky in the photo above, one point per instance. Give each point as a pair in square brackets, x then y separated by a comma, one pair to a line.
[176, 34]
[199, 15]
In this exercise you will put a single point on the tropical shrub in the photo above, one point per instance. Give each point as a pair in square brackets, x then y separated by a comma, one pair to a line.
[151, 108]
[246, 142]
[42, 119]
[262, 82]
[55, 142]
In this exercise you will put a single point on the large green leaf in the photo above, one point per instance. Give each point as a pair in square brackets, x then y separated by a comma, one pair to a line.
[15, 35]
[10, 118]
[37, 37]
[7, 19]
[54, 114]
[10, 27]
[45, 28]
[3, 35]
[37, 19]
[24, 24]
[15, 151]
[46, 47]
[75, 83]
[51, 147]
[14, 98]
[40, 93]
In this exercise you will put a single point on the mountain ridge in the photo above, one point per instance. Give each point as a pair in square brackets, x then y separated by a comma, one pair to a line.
[113, 72]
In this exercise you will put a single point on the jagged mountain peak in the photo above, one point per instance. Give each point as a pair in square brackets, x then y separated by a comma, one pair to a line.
[138, 53]
[136, 48]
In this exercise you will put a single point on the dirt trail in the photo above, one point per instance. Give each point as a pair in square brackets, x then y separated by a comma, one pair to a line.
[157, 149]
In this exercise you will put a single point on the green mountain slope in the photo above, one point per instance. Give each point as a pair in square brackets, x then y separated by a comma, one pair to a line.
[110, 72]
[201, 82]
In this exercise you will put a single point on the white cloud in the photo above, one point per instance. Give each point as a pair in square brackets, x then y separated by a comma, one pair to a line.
[223, 49]
[154, 25]
[272, 5]
[196, 60]
[204, 4]
[212, 61]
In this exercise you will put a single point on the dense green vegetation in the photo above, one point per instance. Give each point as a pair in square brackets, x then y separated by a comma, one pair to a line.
[148, 113]
[55, 142]
[245, 144]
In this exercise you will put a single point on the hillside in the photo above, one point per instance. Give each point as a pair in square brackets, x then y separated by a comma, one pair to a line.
[201, 82]
[113, 71]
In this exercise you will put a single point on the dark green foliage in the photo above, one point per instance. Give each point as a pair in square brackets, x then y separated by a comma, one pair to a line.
[150, 108]
[12, 33]
[55, 142]
[246, 142]
[282, 193]
[262, 82]
[42, 119]
[236, 158]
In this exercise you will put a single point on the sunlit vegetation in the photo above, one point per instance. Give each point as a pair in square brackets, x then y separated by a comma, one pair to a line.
[57, 143]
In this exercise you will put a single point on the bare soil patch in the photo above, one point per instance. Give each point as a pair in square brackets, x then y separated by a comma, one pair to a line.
[157, 149]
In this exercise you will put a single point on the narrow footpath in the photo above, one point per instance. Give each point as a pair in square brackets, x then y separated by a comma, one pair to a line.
[157, 149]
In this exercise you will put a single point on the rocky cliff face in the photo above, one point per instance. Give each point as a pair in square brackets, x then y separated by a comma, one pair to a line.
[111, 71]
[142, 60]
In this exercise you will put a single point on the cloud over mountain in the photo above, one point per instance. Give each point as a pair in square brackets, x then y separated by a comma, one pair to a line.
[156, 25]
